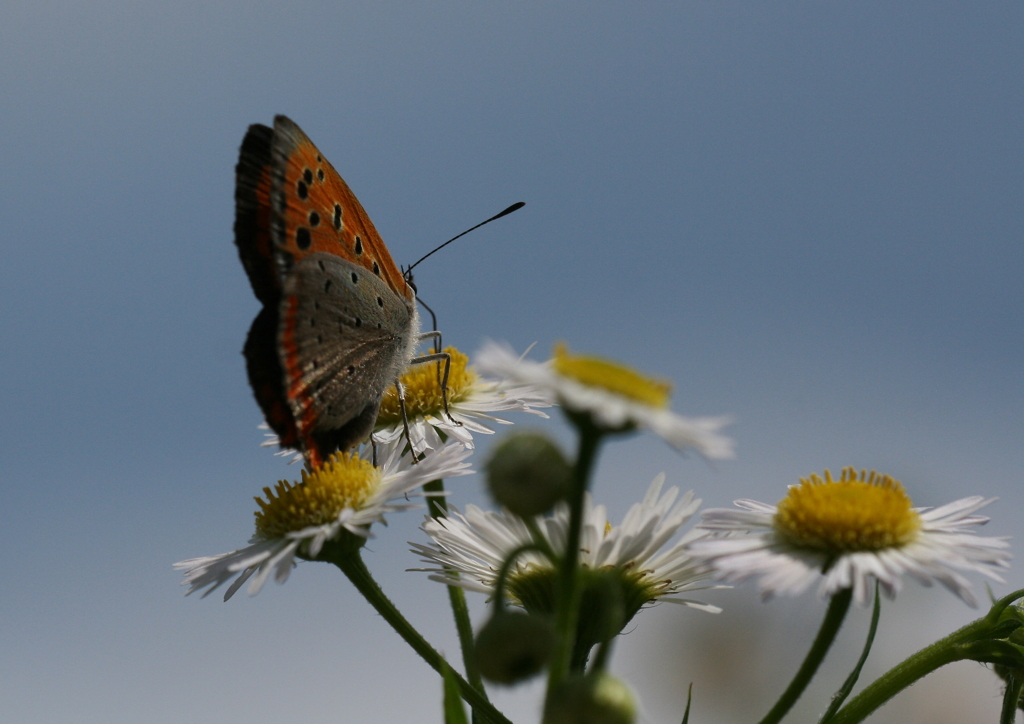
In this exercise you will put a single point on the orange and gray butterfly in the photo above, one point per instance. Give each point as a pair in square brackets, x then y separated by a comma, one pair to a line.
[339, 322]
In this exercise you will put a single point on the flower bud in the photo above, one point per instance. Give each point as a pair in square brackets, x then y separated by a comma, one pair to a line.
[528, 474]
[513, 646]
[602, 609]
[591, 699]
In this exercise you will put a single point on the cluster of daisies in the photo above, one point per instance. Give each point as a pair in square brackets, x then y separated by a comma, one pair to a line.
[844, 533]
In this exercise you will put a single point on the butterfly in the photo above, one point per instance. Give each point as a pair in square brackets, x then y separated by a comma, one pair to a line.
[339, 322]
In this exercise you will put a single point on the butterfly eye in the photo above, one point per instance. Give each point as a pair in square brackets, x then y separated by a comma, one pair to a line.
[411, 283]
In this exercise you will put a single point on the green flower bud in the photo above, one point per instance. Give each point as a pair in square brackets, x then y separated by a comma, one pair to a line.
[602, 608]
[512, 646]
[528, 474]
[593, 699]
[610, 599]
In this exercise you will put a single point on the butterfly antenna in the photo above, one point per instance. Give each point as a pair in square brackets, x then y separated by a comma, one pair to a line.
[514, 207]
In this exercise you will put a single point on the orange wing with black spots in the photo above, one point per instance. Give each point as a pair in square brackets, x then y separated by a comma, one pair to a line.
[339, 320]
[316, 211]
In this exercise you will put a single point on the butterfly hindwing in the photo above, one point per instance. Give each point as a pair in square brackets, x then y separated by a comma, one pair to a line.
[267, 378]
[343, 339]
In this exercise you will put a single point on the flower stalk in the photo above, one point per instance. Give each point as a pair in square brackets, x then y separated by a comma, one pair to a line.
[353, 566]
[980, 640]
[1011, 697]
[569, 589]
[438, 508]
[837, 609]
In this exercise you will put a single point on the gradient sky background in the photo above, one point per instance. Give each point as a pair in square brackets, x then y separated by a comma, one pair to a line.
[808, 215]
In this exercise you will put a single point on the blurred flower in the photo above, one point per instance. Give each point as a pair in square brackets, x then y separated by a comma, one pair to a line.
[343, 497]
[470, 549]
[848, 531]
[616, 398]
[471, 401]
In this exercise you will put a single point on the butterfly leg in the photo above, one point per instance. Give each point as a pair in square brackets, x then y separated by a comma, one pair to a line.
[405, 421]
[441, 381]
[443, 384]
[447, 358]
[435, 335]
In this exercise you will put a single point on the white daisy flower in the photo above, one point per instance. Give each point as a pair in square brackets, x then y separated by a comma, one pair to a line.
[472, 400]
[342, 498]
[271, 439]
[617, 398]
[469, 551]
[847, 532]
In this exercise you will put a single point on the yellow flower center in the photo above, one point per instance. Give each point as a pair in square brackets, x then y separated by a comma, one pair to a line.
[865, 513]
[343, 481]
[612, 377]
[422, 385]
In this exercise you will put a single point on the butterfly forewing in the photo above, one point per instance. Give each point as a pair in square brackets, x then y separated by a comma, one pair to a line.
[315, 211]
[252, 213]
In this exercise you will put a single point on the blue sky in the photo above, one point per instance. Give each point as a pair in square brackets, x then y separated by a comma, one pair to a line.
[808, 215]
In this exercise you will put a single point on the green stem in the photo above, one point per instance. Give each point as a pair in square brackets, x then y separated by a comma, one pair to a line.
[540, 540]
[569, 592]
[955, 647]
[844, 691]
[1010, 699]
[438, 507]
[604, 652]
[837, 609]
[502, 582]
[942, 652]
[352, 565]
